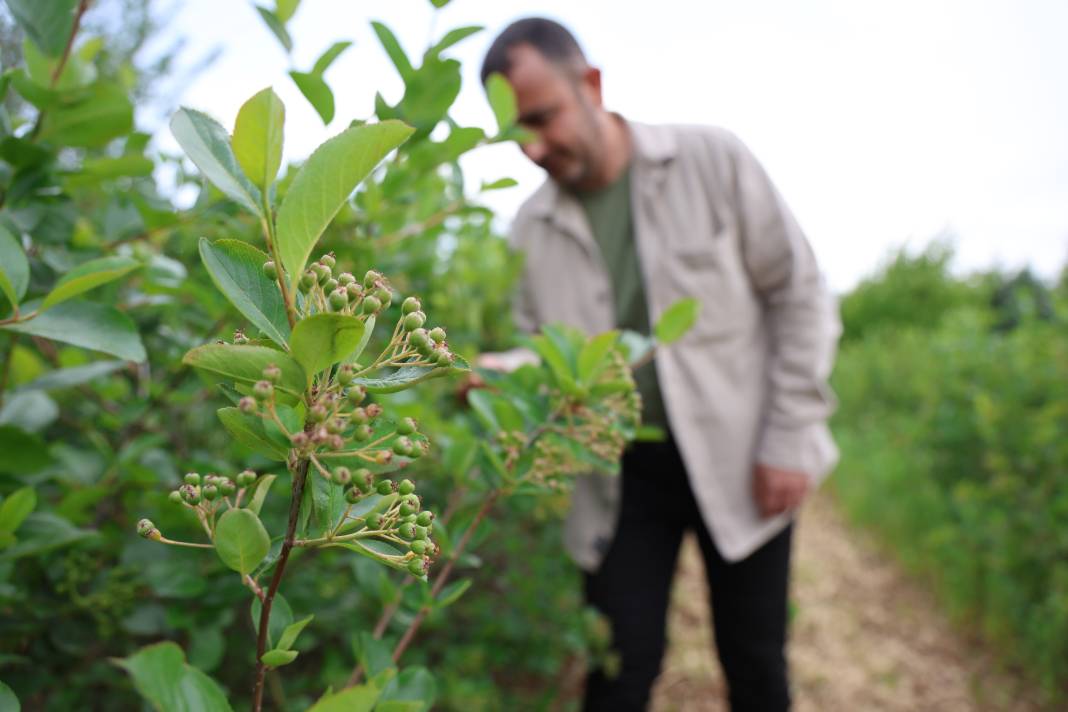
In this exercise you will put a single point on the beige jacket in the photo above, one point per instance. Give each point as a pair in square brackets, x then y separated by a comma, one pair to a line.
[749, 382]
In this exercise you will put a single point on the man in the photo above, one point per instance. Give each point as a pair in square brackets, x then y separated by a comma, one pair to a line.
[632, 218]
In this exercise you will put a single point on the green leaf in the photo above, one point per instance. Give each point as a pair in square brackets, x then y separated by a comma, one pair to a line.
[677, 320]
[207, 144]
[591, 359]
[86, 276]
[259, 493]
[237, 269]
[502, 100]
[322, 340]
[8, 701]
[439, 3]
[98, 327]
[408, 376]
[361, 698]
[368, 330]
[16, 508]
[289, 635]
[77, 71]
[452, 37]
[451, 593]
[162, 676]
[323, 184]
[636, 345]
[257, 140]
[393, 49]
[47, 22]
[24, 453]
[250, 432]
[327, 58]
[14, 268]
[413, 690]
[244, 363]
[240, 540]
[499, 184]
[317, 92]
[284, 9]
[556, 360]
[73, 376]
[277, 26]
[105, 113]
[278, 657]
[281, 617]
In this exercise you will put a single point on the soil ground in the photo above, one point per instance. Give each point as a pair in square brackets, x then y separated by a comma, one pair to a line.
[864, 635]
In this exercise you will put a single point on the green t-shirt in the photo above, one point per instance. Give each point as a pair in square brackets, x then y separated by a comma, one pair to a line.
[612, 222]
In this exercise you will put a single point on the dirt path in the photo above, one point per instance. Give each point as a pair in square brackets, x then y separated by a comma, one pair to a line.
[864, 636]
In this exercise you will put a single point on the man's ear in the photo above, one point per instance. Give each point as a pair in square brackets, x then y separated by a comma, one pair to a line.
[591, 83]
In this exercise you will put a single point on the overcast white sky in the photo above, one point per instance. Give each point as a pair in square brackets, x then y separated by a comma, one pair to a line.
[883, 123]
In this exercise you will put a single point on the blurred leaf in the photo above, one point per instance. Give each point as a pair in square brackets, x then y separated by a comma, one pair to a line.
[14, 268]
[413, 690]
[278, 657]
[74, 376]
[289, 635]
[8, 701]
[677, 320]
[43, 532]
[104, 114]
[259, 493]
[98, 327]
[327, 58]
[368, 330]
[499, 184]
[257, 140]
[324, 183]
[284, 9]
[636, 345]
[86, 276]
[236, 268]
[47, 22]
[241, 540]
[393, 49]
[277, 26]
[430, 92]
[360, 698]
[32, 411]
[162, 676]
[76, 71]
[245, 363]
[207, 144]
[23, 452]
[439, 3]
[501, 99]
[281, 617]
[452, 37]
[452, 592]
[249, 431]
[408, 376]
[317, 92]
[321, 340]
[592, 357]
[15, 508]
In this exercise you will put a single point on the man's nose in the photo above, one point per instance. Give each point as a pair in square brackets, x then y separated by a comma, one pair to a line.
[536, 150]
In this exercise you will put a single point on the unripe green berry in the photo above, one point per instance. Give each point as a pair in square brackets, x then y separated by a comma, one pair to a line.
[247, 404]
[383, 457]
[345, 279]
[444, 358]
[384, 487]
[336, 442]
[402, 445]
[414, 320]
[146, 528]
[383, 295]
[419, 339]
[363, 479]
[317, 413]
[322, 272]
[405, 487]
[417, 450]
[373, 411]
[406, 531]
[272, 373]
[363, 434]
[354, 292]
[418, 547]
[342, 475]
[353, 495]
[246, 478]
[437, 334]
[308, 280]
[328, 259]
[329, 286]
[175, 496]
[371, 278]
[345, 374]
[209, 492]
[406, 426]
[425, 518]
[192, 478]
[374, 521]
[190, 494]
[411, 304]
[356, 394]
[262, 390]
[239, 337]
[371, 304]
[270, 270]
[338, 299]
[420, 531]
[417, 566]
[358, 416]
[299, 440]
[334, 426]
[406, 511]
[226, 486]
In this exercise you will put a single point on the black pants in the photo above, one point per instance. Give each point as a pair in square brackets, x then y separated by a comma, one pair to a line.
[632, 588]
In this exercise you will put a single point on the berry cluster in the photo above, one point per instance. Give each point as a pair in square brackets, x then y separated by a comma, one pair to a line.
[206, 496]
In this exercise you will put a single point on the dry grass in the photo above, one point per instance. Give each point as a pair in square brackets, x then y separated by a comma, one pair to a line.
[864, 636]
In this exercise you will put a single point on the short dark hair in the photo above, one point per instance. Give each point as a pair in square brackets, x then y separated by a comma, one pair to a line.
[551, 39]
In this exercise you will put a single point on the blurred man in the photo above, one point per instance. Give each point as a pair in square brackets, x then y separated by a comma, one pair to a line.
[632, 218]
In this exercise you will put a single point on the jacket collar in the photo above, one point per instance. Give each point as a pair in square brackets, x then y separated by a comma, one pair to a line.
[654, 149]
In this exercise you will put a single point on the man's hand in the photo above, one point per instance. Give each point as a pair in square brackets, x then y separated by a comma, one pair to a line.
[777, 491]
